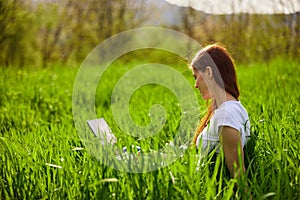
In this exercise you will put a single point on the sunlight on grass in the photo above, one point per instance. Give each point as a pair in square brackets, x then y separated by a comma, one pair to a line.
[42, 157]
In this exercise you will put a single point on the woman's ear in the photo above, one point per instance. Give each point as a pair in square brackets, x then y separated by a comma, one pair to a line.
[209, 72]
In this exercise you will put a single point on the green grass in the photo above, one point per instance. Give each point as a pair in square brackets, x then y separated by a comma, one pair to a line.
[38, 159]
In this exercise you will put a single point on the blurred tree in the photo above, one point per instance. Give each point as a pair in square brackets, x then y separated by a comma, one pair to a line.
[40, 32]
[76, 27]
[248, 36]
[14, 21]
[51, 21]
[61, 30]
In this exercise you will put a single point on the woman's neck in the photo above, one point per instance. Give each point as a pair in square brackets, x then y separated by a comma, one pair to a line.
[221, 96]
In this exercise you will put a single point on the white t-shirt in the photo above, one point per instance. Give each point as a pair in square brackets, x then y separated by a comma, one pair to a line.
[229, 113]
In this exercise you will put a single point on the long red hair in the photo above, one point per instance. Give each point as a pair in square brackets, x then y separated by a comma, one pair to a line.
[218, 58]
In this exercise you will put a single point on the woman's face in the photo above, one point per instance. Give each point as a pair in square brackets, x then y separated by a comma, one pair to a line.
[200, 83]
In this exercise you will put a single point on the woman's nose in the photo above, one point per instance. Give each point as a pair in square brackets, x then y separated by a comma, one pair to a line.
[196, 86]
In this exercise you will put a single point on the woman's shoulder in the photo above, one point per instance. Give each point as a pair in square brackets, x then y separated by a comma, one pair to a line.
[231, 109]
[231, 106]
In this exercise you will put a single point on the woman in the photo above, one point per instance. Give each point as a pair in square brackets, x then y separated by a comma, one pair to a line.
[226, 124]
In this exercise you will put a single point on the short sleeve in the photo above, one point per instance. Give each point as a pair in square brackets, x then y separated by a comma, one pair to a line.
[228, 117]
[231, 114]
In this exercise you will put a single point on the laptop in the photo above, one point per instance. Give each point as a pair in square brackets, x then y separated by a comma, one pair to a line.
[101, 130]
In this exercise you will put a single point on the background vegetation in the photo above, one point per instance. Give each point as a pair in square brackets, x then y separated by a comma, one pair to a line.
[42, 32]
[41, 155]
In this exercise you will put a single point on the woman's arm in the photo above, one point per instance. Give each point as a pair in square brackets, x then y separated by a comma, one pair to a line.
[231, 142]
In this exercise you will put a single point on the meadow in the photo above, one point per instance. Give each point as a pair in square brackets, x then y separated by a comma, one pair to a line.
[42, 156]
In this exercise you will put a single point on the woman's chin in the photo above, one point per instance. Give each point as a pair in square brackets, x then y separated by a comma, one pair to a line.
[205, 96]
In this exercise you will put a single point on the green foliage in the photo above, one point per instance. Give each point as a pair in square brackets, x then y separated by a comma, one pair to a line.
[42, 157]
[15, 34]
[43, 33]
[250, 36]
[46, 32]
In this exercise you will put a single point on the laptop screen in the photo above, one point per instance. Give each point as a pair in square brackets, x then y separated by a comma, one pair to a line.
[101, 130]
